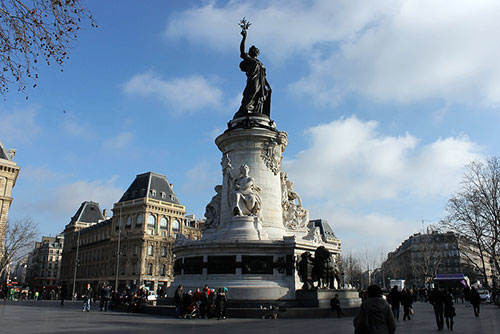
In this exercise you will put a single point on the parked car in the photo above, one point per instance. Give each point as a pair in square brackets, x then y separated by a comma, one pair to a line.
[484, 295]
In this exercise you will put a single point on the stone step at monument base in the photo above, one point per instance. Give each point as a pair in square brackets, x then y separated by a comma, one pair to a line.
[257, 312]
[321, 298]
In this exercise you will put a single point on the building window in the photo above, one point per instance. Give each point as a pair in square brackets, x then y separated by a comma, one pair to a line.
[150, 250]
[139, 220]
[151, 221]
[163, 195]
[163, 223]
[152, 192]
[176, 226]
[129, 221]
[118, 224]
[163, 270]
[164, 233]
[164, 251]
[150, 269]
[150, 232]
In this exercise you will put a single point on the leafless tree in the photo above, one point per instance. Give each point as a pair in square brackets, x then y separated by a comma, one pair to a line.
[20, 236]
[351, 267]
[36, 30]
[474, 212]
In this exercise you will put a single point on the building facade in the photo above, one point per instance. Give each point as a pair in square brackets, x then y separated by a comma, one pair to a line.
[8, 176]
[424, 255]
[134, 247]
[44, 264]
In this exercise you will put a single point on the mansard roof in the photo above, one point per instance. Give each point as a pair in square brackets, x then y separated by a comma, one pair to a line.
[89, 212]
[151, 185]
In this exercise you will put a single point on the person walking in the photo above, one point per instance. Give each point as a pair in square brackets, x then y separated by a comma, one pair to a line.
[105, 297]
[394, 299]
[375, 315]
[406, 300]
[87, 299]
[475, 300]
[63, 293]
[178, 296]
[449, 310]
[335, 305]
[437, 301]
[221, 302]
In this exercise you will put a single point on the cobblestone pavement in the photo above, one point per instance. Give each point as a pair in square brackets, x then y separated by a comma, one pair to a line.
[49, 317]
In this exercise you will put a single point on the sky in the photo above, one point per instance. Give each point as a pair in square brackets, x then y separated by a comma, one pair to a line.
[384, 102]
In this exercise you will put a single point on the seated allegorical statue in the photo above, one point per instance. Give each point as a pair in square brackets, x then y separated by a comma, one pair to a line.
[245, 196]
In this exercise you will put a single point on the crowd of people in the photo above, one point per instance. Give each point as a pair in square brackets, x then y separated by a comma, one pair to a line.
[202, 303]
[379, 313]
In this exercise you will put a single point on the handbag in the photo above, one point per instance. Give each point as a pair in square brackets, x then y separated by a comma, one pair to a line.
[412, 311]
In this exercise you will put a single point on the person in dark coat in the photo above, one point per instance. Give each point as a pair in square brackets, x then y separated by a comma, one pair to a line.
[375, 315]
[204, 303]
[63, 293]
[406, 300]
[436, 299]
[394, 299]
[178, 297]
[221, 302]
[475, 300]
[335, 305]
[449, 310]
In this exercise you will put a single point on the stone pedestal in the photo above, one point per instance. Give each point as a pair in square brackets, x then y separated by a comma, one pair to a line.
[256, 228]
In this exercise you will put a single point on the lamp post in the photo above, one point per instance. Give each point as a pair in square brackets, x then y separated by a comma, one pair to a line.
[118, 249]
[76, 265]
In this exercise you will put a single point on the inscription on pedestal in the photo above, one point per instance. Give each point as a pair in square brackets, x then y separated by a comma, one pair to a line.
[221, 265]
[257, 265]
[193, 265]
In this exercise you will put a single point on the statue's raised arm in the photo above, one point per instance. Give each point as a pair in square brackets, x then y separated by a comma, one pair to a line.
[257, 94]
[242, 44]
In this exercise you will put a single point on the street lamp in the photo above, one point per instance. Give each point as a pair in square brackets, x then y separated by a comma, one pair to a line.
[76, 265]
[118, 249]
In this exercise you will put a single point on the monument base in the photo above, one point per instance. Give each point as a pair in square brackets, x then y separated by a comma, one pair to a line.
[263, 270]
[321, 298]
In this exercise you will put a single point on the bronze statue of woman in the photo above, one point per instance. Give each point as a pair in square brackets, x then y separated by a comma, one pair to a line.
[257, 93]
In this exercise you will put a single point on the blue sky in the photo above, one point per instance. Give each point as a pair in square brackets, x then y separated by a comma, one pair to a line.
[384, 102]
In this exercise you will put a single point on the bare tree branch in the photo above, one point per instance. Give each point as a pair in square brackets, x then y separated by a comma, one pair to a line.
[36, 30]
[20, 236]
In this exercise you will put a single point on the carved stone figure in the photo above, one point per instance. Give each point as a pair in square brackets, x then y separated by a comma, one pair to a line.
[314, 235]
[257, 94]
[245, 195]
[295, 217]
[272, 150]
[212, 210]
[305, 267]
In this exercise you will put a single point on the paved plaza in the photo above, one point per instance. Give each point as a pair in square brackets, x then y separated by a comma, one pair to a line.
[49, 317]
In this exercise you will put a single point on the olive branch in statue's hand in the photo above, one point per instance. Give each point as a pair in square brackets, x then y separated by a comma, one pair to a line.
[244, 25]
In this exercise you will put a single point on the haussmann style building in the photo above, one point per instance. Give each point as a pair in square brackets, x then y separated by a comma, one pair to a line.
[8, 176]
[134, 247]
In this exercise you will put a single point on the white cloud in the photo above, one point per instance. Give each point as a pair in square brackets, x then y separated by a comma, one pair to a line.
[388, 50]
[351, 161]
[74, 126]
[121, 140]
[369, 185]
[67, 198]
[201, 179]
[180, 94]
[18, 126]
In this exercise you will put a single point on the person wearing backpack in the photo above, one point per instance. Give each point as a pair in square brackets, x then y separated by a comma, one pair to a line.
[375, 315]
